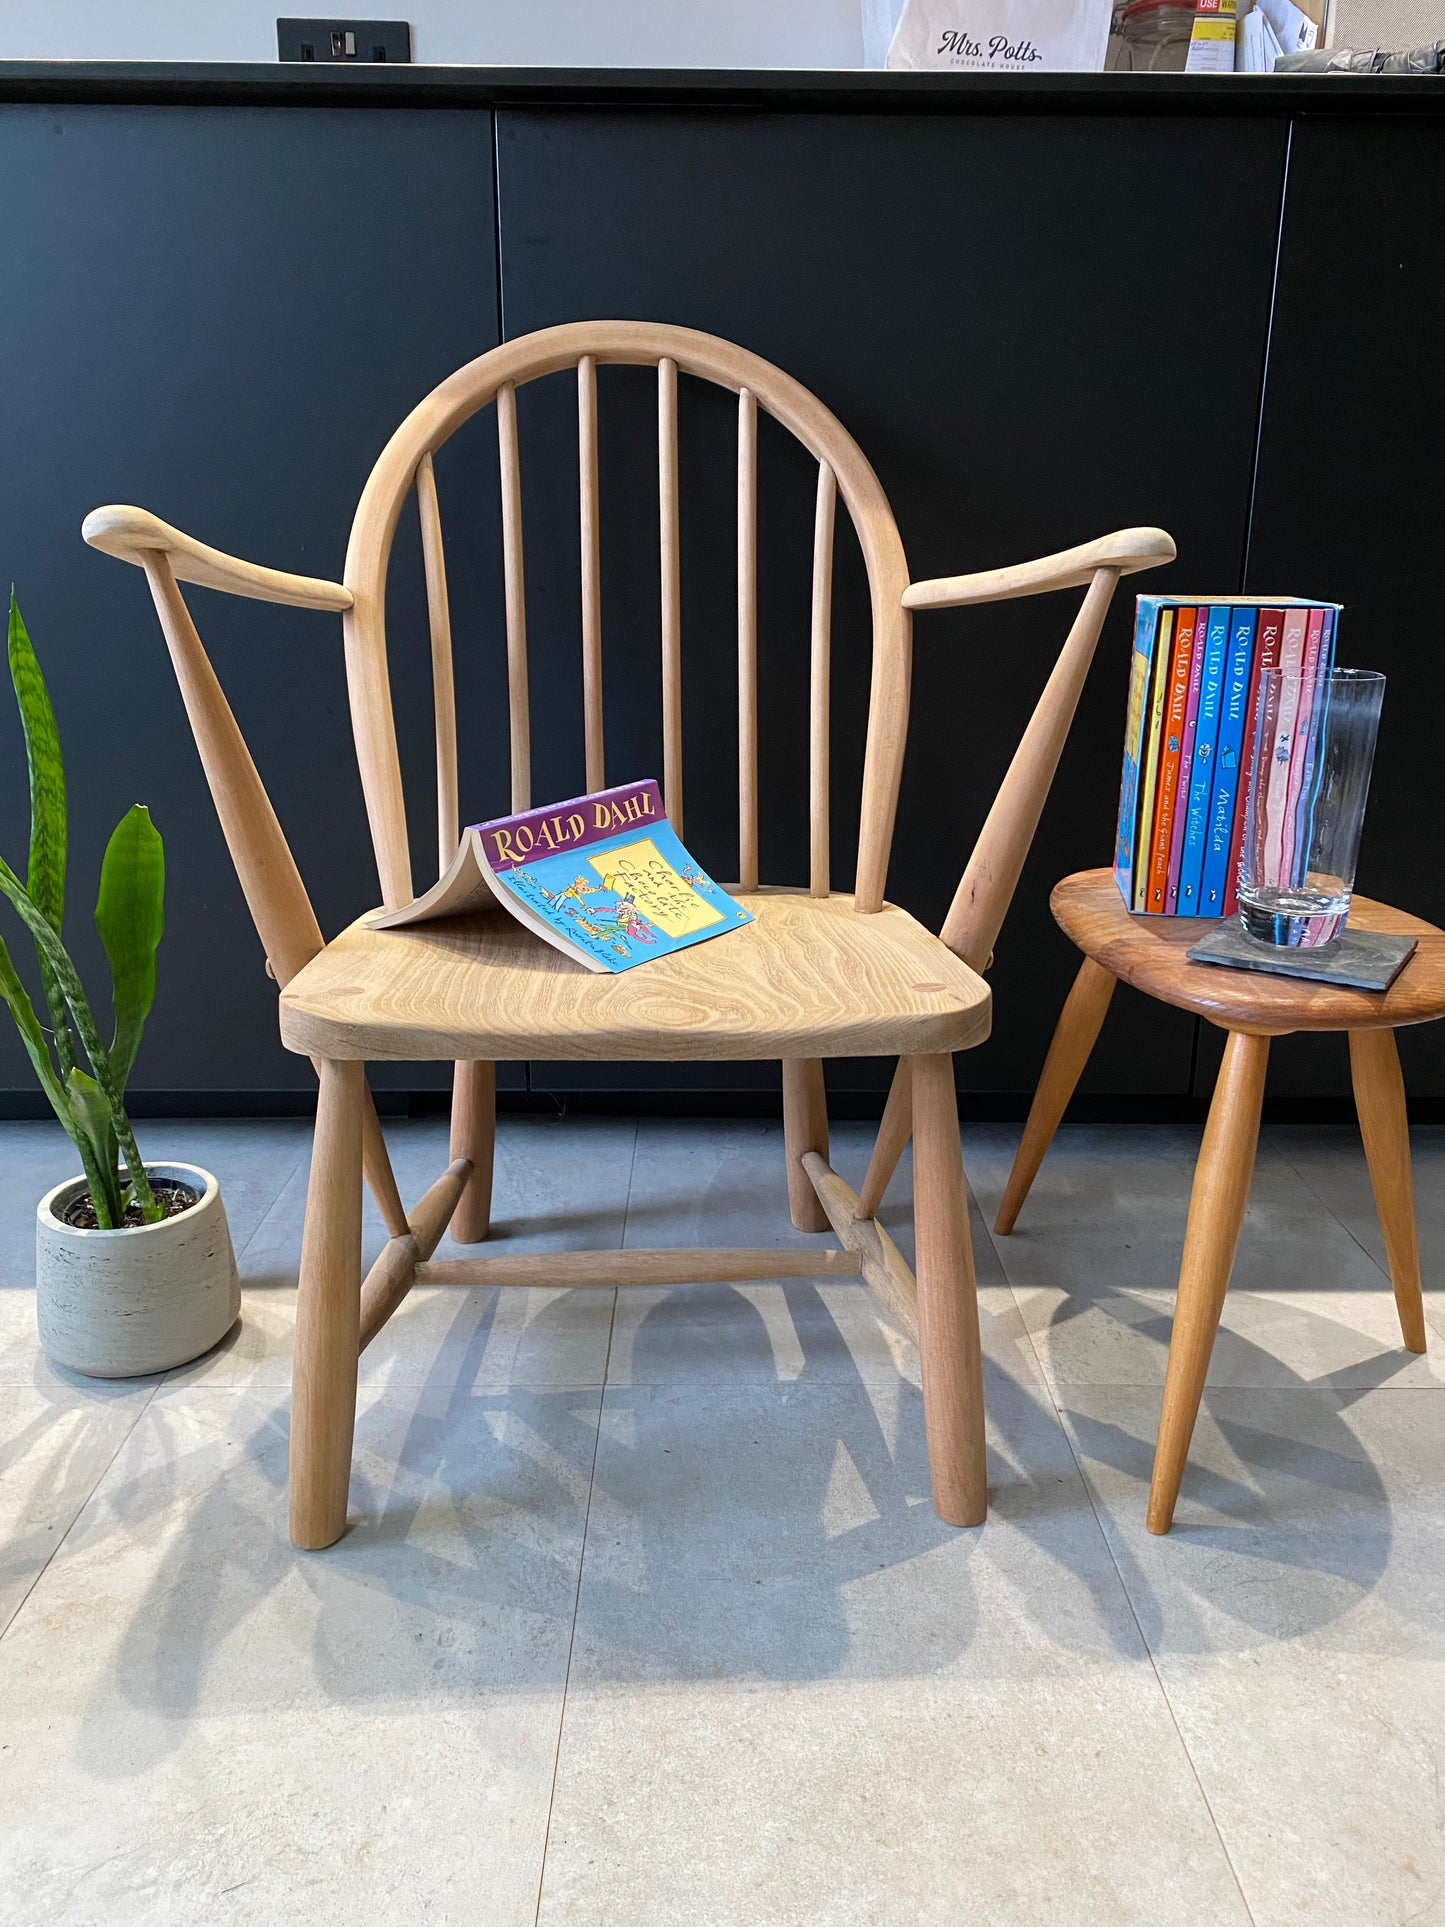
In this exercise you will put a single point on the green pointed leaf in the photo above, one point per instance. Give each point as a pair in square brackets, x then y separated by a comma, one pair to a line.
[46, 878]
[32, 1036]
[55, 953]
[93, 1114]
[130, 915]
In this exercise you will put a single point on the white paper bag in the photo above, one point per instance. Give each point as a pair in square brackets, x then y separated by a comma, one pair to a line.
[1003, 36]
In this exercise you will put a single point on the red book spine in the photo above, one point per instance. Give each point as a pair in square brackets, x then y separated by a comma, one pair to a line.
[1266, 656]
[1176, 704]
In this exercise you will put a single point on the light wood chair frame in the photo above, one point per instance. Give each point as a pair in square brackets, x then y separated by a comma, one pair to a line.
[339, 1311]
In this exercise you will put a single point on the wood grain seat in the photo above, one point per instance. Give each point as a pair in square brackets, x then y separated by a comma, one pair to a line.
[1148, 954]
[808, 978]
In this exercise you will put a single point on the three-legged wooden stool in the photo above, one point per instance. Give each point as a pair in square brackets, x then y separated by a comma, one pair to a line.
[1148, 952]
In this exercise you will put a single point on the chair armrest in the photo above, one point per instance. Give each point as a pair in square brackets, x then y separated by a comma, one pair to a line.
[1126, 551]
[132, 534]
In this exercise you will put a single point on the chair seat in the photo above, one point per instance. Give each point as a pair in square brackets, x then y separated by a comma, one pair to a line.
[1148, 953]
[809, 978]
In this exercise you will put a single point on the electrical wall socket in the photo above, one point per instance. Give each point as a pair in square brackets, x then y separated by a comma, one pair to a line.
[343, 40]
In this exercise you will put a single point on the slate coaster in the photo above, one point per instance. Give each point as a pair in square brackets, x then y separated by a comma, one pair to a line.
[1360, 960]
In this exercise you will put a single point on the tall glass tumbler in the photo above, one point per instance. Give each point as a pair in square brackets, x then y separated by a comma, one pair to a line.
[1314, 747]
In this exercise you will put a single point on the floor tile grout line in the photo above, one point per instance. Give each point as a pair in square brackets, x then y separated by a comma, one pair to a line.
[1047, 1382]
[94, 1487]
[1329, 1209]
[1007, 1277]
[1154, 1669]
[302, 1156]
[572, 1634]
[163, 1380]
[1145, 1647]
[582, 1548]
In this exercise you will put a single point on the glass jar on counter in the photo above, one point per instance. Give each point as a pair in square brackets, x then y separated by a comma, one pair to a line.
[1152, 36]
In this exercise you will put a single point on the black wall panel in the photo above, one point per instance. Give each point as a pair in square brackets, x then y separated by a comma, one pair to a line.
[1038, 329]
[221, 314]
[1351, 478]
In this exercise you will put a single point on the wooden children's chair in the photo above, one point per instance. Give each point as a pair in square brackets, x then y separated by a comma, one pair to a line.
[820, 973]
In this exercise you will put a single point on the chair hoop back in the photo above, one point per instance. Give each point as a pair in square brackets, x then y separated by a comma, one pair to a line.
[405, 463]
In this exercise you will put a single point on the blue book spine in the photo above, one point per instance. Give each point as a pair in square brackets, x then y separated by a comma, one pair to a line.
[1201, 769]
[1233, 716]
[1146, 629]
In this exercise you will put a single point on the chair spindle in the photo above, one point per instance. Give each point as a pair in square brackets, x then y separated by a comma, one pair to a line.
[671, 591]
[516, 594]
[591, 536]
[819, 682]
[443, 690]
[747, 640]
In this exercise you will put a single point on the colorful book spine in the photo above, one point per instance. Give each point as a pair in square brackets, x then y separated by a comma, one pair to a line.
[1314, 769]
[1266, 656]
[1149, 772]
[1275, 756]
[1186, 763]
[1292, 857]
[1215, 634]
[1227, 791]
[1146, 623]
[1170, 744]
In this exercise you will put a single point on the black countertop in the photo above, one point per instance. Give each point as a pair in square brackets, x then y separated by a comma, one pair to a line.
[165, 83]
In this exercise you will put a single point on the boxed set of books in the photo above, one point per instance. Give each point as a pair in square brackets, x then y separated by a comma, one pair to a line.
[1189, 740]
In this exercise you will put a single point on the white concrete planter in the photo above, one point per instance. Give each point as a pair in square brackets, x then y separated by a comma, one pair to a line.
[119, 1304]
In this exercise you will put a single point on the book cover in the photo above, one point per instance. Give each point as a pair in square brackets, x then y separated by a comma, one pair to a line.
[1149, 773]
[1186, 763]
[1146, 625]
[1170, 743]
[1226, 792]
[602, 878]
[1195, 804]
[1266, 656]
[1275, 756]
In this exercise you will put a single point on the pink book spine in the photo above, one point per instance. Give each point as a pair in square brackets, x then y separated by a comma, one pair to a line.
[1309, 667]
[1186, 759]
[1266, 656]
[1280, 752]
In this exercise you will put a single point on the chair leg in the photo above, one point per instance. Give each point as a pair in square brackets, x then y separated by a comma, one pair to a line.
[474, 1130]
[1216, 1210]
[1384, 1125]
[1074, 1038]
[894, 1131]
[328, 1314]
[805, 1128]
[948, 1341]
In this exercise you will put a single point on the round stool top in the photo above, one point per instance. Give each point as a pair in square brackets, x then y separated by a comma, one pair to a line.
[1148, 952]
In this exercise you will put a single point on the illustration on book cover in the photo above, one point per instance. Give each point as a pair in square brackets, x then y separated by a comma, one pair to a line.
[603, 878]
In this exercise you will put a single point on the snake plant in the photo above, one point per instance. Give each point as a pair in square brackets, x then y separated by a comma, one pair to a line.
[90, 1103]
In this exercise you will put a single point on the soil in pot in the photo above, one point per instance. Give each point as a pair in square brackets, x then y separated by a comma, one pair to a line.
[172, 1197]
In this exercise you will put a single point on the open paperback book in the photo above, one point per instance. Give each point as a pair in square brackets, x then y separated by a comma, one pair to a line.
[603, 878]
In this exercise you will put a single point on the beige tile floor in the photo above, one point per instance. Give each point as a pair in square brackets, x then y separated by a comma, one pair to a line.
[644, 1619]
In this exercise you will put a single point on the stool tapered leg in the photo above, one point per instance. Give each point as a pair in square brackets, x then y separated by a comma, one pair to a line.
[1074, 1037]
[1385, 1127]
[1216, 1210]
